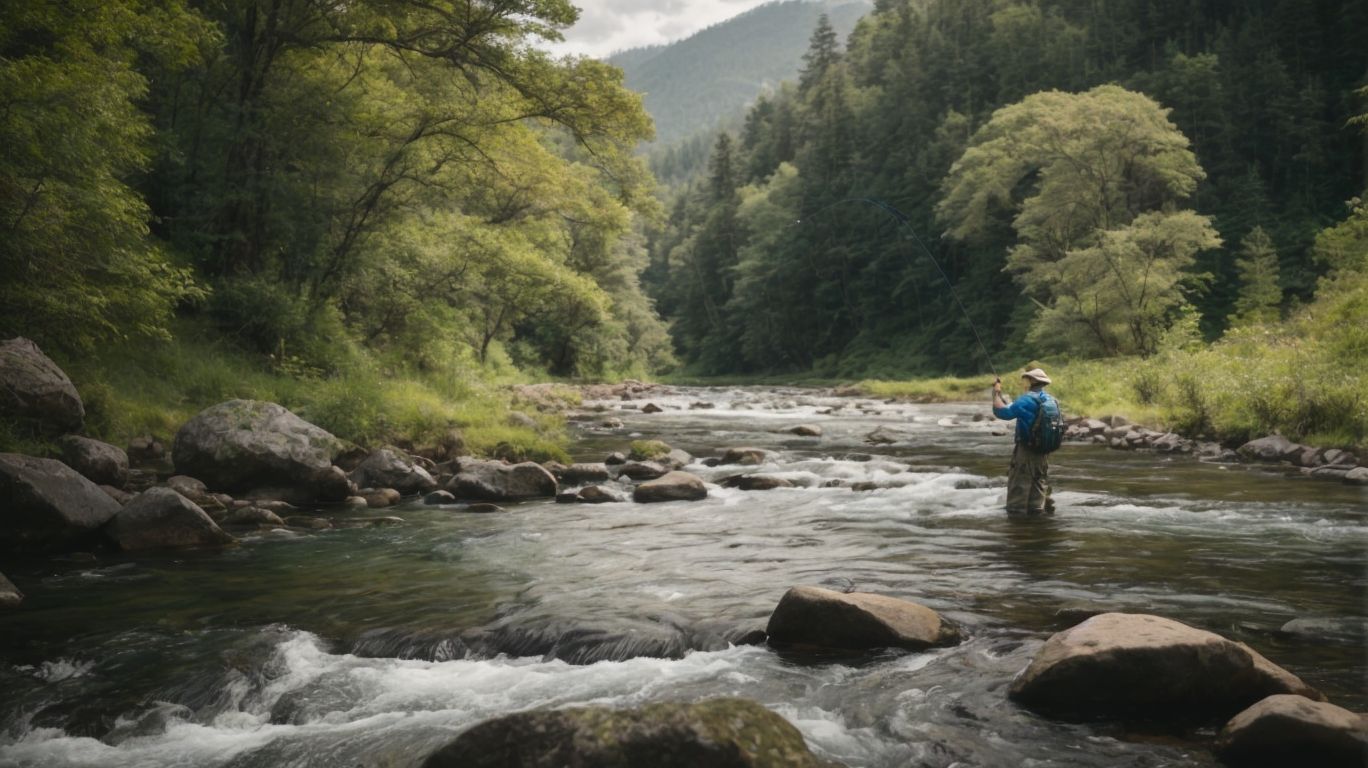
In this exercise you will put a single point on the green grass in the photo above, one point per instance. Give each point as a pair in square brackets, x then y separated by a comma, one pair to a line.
[155, 387]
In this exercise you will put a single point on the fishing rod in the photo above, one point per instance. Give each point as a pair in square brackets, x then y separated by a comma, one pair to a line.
[906, 221]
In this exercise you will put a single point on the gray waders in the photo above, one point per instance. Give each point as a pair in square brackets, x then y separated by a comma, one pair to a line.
[1028, 483]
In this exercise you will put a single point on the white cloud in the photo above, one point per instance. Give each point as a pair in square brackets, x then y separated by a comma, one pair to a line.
[608, 26]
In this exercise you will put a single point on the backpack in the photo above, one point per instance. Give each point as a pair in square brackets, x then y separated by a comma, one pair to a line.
[1047, 433]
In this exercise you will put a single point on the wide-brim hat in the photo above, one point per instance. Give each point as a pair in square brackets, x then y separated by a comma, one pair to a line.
[1036, 375]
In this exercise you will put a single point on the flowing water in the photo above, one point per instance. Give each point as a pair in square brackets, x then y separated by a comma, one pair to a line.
[373, 646]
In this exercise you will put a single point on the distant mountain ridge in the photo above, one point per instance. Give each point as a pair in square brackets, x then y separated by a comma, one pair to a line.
[693, 84]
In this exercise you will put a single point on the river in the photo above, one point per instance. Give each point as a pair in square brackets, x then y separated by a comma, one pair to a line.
[373, 646]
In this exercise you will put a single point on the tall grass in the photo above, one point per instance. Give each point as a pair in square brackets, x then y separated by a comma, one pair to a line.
[154, 388]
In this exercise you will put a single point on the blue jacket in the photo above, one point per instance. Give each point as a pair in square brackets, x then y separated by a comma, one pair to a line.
[1024, 410]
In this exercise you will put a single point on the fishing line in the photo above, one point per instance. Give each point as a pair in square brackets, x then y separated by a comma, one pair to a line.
[906, 221]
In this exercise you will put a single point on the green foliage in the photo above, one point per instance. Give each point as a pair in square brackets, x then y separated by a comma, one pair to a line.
[648, 450]
[79, 266]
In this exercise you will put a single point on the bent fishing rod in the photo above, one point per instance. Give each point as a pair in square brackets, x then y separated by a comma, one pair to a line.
[906, 221]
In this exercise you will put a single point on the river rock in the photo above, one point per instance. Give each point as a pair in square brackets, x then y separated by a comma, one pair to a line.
[1271, 448]
[117, 494]
[673, 486]
[1121, 664]
[717, 733]
[160, 518]
[1357, 476]
[389, 468]
[744, 456]
[1286, 730]
[48, 506]
[10, 596]
[356, 502]
[252, 517]
[806, 430]
[813, 617]
[597, 494]
[145, 450]
[483, 508]
[35, 391]
[1329, 629]
[677, 459]
[579, 474]
[651, 408]
[101, 463]
[755, 482]
[379, 498]
[439, 497]
[189, 487]
[309, 522]
[642, 470]
[617, 457]
[245, 445]
[496, 481]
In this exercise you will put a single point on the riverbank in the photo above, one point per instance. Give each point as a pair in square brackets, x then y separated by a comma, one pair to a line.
[151, 388]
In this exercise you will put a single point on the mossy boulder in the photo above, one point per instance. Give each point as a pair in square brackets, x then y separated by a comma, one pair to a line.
[718, 733]
[241, 446]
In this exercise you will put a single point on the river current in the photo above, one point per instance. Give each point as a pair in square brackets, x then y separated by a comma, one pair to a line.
[374, 646]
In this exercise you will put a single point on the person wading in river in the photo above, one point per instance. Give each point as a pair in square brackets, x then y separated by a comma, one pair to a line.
[1028, 478]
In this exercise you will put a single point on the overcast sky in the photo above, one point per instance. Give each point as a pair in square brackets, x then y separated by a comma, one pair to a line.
[608, 26]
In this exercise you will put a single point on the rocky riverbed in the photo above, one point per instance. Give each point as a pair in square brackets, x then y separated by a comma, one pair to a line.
[336, 634]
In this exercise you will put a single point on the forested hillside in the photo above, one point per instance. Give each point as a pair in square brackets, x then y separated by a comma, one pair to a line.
[693, 84]
[1173, 176]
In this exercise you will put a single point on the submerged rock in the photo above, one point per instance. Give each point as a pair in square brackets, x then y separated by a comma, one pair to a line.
[379, 498]
[651, 408]
[35, 391]
[439, 497]
[483, 509]
[1123, 664]
[1286, 730]
[101, 463]
[252, 517]
[389, 468]
[48, 506]
[806, 430]
[813, 617]
[160, 518]
[755, 482]
[245, 445]
[673, 486]
[496, 481]
[10, 596]
[718, 733]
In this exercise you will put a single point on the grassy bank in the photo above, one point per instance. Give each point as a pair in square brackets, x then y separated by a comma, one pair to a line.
[155, 387]
[1252, 383]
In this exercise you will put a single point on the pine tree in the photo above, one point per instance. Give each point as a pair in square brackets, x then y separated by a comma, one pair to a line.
[1259, 291]
[823, 52]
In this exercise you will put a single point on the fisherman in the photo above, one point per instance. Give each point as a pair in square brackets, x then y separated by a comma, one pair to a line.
[1028, 479]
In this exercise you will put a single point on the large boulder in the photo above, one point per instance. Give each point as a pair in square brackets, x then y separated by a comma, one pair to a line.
[1293, 730]
[1122, 664]
[718, 733]
[34, 391]
[673, 486]
[1357, 476]
[1271, 448]
[388, 468]
[497, 481]
[813, 617]
[244, 445]
[101, 463]
[580, 474]
[160, 518]
[47, 505]
[10, 596]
